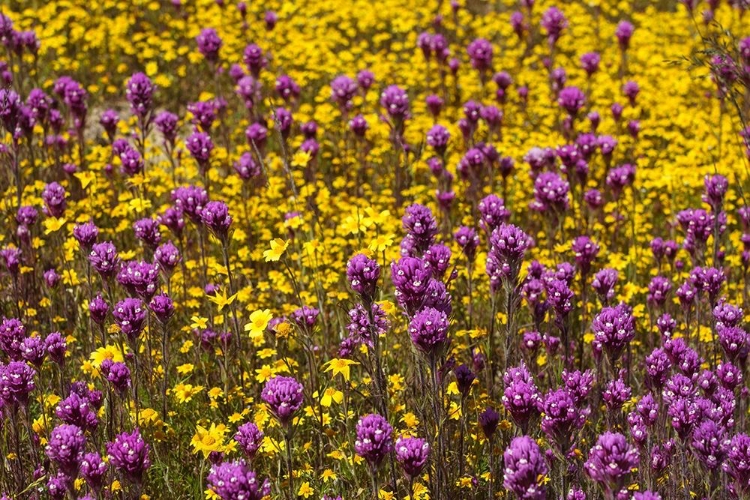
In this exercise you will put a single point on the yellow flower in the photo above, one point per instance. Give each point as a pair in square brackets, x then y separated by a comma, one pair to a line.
[199, 322]
[106, 352]
[305, 490]
[53, 224]
[340, 366]
[185, 369]
[209, 440]
[301, 159]
[184, 392]
[328, 475]
[220, 299]
[331, 395]
[410, 420]
[258, 322]
[278, 247]
[381, 243]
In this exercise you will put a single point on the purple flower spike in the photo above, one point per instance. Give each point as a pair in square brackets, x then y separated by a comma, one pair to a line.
[373, 441]
[284, 397]
[525, 469]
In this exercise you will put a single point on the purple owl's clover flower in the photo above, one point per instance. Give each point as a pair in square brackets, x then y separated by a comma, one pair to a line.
[610, 462]
[525, 469]
[373, 441]
[284, 396]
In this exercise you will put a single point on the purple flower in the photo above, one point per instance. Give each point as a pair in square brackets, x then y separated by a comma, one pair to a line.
[488, 421]
[139, 91]
[16, 383]
[572, 100]
[464, 378]
[235, 481]
[130, 315]
[396, 103]
[78, 411]
[166, 123]
[521, 398]
[525, 469]
[493, 212]
[429, 330]
[614, 328]
[585, 251]
[611, 461]
[412, 454]
[623, 33]
[658, 290]
[131, 160]
[118, 374]
[287, 88]
[54, 199]
[250, 438]
[163, 307]
[33, 350]
[284, 397]
[437, 138]
[419, 222]
[550, 193]
[103, 258]
[616, 394]
[12, 335]
[737, 464]
[480, 52]
[411, 277]
[93, 469]
[343, 90]
[209, 44]
[139, 278]
[468, 240]
[710, 444]
[128, 455]
[65, 448]
[56, 347]
[553, 22]
[363, 274]
[562, 418]
[147, 230]
[191, 200]
[215, 215]
[200, 146]
[373, 442]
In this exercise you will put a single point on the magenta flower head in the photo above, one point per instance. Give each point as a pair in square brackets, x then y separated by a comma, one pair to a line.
[139, 278]
[191, 200]
[109, 121]
[250, 439]
[209, 44]
[610, 462]
[553, 22]
[54, 199]
[131, 160]
[16, 383]
[284, 396]
[412, 454]
[56, 347]
[93, 470]
[118, 374]
[215, 216]
[493, 212]
[200, 146]
[104, 259]
[128, 455]
[254, 59]
[488, 421]
[98, 309]
[373, 442]
[572, 100]
[421, 225]
[550, 193]
[168, 256]
[562, 418]
[411, 277]
[590, 62]
[166, 123]
[716, 188]
[147, 231]
[12, 334]
[139, 91]
[429, 330]
[525, 469]
[614, 328]
[438, 138]
[163, 307]
[508, 245]
[86, 234]
[585, 251]
[468, 240]
[737, 464]
[480, 52]
[130, 315]
[710, 444]
[65, 448]
[623, 33]
[395, 100]
[343, 90]
[363, 274]
[235, 480]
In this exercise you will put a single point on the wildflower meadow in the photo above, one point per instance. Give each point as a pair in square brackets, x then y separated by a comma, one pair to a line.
[340, 250]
